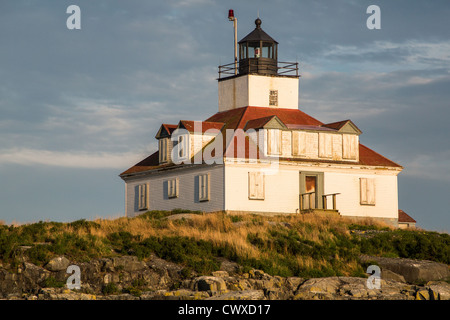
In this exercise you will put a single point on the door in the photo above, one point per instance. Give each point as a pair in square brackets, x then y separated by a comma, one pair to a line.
[311, 187]
[311, 190]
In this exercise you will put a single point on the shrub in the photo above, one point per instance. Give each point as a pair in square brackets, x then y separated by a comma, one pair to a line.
[83, 224]
[110, 288]
[51, 282]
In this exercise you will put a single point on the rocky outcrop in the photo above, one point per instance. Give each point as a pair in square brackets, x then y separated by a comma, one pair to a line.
[127, 278]
[412, 271]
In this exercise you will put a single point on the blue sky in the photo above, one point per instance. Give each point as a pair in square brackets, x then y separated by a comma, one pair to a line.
[77, 107]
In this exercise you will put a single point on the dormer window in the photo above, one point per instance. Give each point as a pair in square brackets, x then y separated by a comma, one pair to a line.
[273, 141]
[163, 150]
[183, 147]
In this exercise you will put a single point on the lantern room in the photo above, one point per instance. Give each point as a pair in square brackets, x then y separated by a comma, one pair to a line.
[258, 52]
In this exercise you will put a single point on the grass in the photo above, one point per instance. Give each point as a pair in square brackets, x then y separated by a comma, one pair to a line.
[290, 245]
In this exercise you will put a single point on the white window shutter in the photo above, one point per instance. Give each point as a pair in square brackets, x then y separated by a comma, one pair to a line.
[363, 190]
[367, 191]
[142, 197]
[371, 191]
[203, 186]
[349, 143]
[252, 185]
[256, 185]
[260, 185]
[295, 143]
[273, 141]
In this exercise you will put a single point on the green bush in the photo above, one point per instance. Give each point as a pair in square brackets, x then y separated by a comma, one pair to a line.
[84, 224]
[51, 282]
[110, 288]
[423, 245]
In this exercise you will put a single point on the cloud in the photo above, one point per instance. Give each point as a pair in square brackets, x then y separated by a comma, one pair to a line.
[426, 166]
[393, 55]
[100, 160]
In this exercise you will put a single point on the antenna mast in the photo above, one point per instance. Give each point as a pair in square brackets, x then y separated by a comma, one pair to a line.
[231, 17]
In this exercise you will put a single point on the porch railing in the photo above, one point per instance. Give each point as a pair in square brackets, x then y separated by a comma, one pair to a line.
[309, 196]
[324, 200]
[306, 205]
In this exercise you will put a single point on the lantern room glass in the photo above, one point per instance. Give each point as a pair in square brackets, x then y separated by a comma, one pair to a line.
[257, 49]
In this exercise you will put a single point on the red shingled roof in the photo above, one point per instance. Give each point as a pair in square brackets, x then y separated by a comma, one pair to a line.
[238, 118]
[404, 217]
[192, 126]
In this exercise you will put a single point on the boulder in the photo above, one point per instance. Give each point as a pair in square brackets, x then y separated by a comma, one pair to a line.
[57, 264]
[240, 295]
[387, 274]
[413, 271]
[441, 288]
[128, 263]
[426, 294]
[208, 283]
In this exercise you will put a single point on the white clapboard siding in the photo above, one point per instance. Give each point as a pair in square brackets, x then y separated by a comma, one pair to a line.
[281, 193]
[188, 190]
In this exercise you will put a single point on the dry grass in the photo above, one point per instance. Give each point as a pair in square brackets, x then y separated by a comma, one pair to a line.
[220, 230]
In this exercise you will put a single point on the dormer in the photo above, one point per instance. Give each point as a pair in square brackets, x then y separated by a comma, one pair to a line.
[189, 137]
[337, 141]
[164, 142]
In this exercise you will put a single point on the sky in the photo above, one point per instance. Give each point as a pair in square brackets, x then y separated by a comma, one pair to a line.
[78, 107]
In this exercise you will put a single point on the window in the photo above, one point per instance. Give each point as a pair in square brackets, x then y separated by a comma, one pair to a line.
[325, 145]
[256, 186]
[367, 191]
[350, 146]
[142, 197]
[163, 151]
[182, 147]
[172, 188]
[203, 187]
[273, 141]
[273, 98]
[298, 143]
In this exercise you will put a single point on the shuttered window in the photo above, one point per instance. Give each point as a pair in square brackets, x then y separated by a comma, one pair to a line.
[143, 197]
[298, 143]
[163, 151]
[182, 147]
[273, 141]
[325, 145]
[172, 188]
[349, 146]
[256, 186]
[367, 191]
[203, 187]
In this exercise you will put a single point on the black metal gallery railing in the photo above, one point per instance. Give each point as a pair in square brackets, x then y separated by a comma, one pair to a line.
[259, 66]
